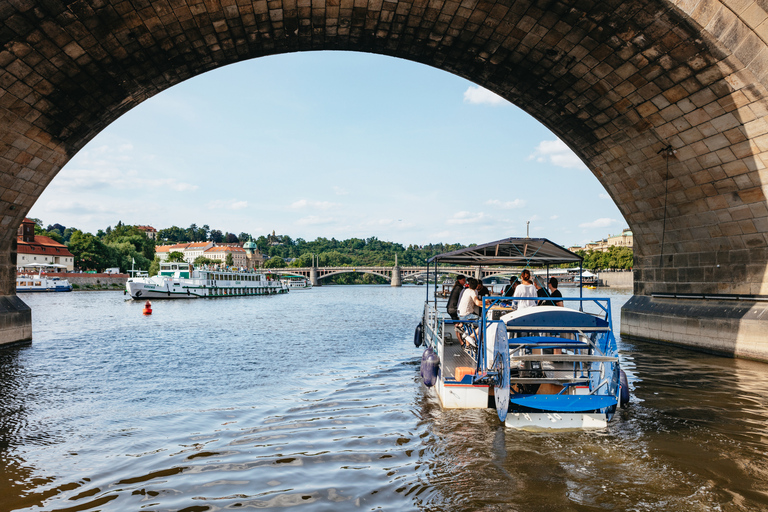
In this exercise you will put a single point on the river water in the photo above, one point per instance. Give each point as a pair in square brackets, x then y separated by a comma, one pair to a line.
[312, 401]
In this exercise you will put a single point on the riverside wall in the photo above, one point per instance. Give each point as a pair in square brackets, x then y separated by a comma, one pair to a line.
[93, 281]
[616, 279]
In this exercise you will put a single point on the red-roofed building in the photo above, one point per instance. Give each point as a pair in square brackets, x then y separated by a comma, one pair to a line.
[220, 253]
[162, 251]
[149, 231]
[40, 250]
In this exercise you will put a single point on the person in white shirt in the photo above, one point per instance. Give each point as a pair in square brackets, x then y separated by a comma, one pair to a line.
[466, 310]
[526, 289]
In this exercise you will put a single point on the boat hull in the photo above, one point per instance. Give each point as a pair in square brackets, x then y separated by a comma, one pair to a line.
[151, 291]
[555, 421]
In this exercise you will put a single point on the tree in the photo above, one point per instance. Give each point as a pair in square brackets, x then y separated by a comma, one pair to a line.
[274, 262]
[215, 236]
[203, 260]
[175, 256]
[230, 238]
[90, 252]
[141, 244]
[243, 237]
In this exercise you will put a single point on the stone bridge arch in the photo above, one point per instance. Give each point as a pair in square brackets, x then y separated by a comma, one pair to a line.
[664, 100]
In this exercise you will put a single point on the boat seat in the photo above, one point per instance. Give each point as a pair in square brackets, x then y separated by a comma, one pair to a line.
[548, 380]
[563, 358]
[564, 403]
[546, 342]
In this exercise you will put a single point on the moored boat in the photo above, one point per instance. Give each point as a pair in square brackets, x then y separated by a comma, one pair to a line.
[41, 283]
[295, 281]
[542, 366]
[184, 281]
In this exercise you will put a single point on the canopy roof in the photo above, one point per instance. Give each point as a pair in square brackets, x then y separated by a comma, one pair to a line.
[510, 251]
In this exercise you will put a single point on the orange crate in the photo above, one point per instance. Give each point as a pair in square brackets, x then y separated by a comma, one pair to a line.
[461, 371]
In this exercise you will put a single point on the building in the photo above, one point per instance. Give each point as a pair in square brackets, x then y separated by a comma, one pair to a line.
[625, 239]
[40, 250]
[196, 249]
[149, 231]
[253, 256]
[219, 253]
[162, 251]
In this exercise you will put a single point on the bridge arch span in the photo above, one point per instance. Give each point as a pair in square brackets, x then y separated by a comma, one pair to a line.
[664, 100]
[380, 273]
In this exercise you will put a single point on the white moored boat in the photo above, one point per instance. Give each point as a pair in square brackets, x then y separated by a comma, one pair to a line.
[295, 281]
[542, 367]
[183, 281]
[41, 283]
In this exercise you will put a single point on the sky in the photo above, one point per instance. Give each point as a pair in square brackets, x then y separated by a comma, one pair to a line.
[333, 144]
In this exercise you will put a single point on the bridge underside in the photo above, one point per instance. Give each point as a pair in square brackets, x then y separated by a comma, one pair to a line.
[665, 101]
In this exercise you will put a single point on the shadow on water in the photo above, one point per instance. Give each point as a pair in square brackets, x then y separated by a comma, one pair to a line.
[313, 400]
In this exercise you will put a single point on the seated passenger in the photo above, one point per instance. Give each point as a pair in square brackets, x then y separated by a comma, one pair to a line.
[554, 292]
[468, 302]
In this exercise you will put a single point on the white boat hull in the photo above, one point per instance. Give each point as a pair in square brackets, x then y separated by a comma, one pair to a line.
[181, 281]
[555, 421]
[146, 291]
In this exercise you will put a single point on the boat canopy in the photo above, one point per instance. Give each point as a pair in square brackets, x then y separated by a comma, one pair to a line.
[512, 252]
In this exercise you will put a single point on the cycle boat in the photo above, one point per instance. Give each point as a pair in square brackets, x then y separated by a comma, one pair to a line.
[540, 367]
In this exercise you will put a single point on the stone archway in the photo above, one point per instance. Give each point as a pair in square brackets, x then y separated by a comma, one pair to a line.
[664, 100]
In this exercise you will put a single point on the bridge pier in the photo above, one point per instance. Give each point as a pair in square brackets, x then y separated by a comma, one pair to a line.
[397, 277]
[735, 328]
[313, 277]
[15, 315]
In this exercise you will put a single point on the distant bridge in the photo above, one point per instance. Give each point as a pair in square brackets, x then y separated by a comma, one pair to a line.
[395, 275]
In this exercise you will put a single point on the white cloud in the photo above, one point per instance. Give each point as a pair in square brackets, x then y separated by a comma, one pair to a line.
[553, 217]
[476, 95]
[556, 153]
[465, 218]
[314, 220]
[320, 205]
[340, 191]
[506, 205]
[599, 223]
[74, 207]
[604, 196]
[221, 204]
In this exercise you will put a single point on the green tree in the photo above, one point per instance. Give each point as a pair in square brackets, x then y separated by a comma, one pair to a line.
[229, 260]
[90, 252]
[274, 262]
[154, 267]
[175, 256]
[132, 235]
[202, 260]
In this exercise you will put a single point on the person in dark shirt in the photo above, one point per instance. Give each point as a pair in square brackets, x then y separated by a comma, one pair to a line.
[509, 290]
[482, 291]
[453, 301]
[554, 292]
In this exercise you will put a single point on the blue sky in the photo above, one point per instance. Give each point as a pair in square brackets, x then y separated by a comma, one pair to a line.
[333, 144]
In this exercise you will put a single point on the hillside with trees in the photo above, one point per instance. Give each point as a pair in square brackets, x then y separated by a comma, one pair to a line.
[119, 246]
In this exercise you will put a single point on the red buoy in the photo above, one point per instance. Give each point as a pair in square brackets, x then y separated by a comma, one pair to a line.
[147, 308]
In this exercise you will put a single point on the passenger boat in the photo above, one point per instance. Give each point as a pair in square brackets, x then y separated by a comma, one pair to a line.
[41, 283]
[183, 281]
[295, 281]
[541, 367]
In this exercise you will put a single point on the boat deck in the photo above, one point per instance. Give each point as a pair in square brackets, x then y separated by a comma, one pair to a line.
[455, 357]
